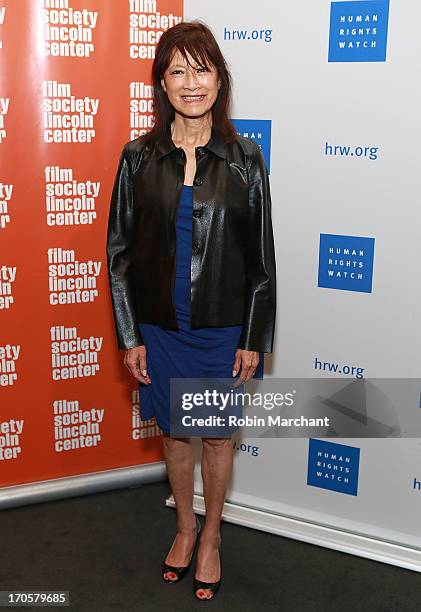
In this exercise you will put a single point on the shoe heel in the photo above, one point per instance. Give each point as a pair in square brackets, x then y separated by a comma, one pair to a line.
[198, 525]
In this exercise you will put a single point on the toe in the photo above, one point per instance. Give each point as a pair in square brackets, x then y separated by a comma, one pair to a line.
[204, 593]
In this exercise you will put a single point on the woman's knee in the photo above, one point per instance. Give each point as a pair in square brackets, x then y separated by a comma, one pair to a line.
[171, 443]
[217, 444]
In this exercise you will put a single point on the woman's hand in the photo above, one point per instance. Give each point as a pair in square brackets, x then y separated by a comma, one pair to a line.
[135, 362]
[248, 360]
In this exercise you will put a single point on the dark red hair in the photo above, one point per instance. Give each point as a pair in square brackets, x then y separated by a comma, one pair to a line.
[196, 39]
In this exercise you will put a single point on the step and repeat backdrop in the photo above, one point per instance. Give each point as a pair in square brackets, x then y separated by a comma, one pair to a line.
[330, 91]
[74, 87]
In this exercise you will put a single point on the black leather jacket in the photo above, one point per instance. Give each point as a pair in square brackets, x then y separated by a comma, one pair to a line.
[233, 257]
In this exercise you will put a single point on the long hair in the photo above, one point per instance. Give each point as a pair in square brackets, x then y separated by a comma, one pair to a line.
[196, 39]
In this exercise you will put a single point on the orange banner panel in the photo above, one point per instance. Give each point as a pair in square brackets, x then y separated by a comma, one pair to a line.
[74, 87]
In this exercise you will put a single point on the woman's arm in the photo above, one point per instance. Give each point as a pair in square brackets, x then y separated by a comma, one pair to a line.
[120, 235]
[259, 321]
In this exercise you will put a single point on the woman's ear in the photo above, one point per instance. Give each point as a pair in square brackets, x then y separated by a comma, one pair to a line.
[163, 85]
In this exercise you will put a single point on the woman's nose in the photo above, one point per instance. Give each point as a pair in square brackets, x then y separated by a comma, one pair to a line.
[191, 79]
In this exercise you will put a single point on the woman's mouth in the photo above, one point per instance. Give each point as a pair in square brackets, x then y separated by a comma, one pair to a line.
[193, 99]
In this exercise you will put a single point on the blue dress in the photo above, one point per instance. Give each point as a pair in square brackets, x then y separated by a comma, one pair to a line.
[186, 353]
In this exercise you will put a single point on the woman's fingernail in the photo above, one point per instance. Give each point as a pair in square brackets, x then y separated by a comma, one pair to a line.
[143, 372]
[234, 373]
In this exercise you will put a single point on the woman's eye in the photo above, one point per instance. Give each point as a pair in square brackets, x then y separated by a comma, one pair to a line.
[181, 72]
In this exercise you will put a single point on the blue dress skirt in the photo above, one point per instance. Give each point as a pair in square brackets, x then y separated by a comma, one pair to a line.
[207, 352]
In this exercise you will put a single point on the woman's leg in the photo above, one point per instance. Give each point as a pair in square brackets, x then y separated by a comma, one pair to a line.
[217, 460]
[179, 459]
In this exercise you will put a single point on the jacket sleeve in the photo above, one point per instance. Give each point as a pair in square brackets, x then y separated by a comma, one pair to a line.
[120, 235]
[260, 265]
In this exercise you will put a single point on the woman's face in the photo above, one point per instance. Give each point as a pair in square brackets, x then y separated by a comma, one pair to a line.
[191, 90]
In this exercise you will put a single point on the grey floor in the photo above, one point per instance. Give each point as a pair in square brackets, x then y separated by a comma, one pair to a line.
[107, 550]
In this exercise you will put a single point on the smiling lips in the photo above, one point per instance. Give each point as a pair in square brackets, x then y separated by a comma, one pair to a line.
[192, 99]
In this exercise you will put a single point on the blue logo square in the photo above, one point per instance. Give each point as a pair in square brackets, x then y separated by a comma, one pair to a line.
[333, 466]
[258, 130]
[358, 31]
[346, 262]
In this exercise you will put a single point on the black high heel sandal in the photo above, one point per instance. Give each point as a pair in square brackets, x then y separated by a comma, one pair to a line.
[182, 570]
[210, 586]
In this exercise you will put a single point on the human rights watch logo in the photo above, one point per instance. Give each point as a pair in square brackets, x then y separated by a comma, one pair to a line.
[333, 466]
[358, 31]
[346, 262]
[259, 130]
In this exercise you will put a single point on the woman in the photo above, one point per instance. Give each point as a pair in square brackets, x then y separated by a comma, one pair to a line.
[192, 269]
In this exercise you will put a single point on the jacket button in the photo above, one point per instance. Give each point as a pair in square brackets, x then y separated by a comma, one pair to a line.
[198, 181]
[200, 150]
[195, 247]
[197, 213]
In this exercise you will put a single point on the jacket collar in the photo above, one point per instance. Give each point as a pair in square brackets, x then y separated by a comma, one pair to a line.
[165, 145]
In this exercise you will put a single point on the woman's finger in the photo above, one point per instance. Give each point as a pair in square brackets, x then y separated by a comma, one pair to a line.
[252, 365]
[236, 364]
[142, 368]
[245, 369]
[135, 362]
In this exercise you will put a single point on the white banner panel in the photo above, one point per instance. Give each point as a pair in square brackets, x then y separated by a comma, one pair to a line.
[329, 90]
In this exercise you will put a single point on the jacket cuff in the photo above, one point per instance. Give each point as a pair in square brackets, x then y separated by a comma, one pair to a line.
[129, 340]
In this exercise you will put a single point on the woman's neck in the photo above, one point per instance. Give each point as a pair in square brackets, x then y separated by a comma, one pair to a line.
[190, 135]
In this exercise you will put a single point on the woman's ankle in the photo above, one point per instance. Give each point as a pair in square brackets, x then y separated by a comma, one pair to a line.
[211, 538]
[187, 527]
